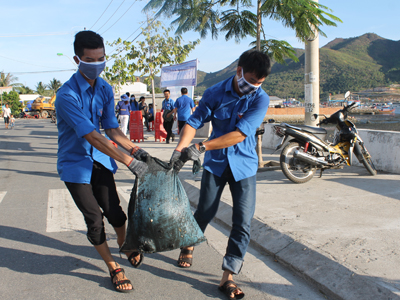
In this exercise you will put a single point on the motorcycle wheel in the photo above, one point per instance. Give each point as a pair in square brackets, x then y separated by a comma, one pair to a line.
[364, 157]
[295, 170]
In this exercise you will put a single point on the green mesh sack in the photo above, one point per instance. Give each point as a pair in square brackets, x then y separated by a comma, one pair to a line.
[159, 214]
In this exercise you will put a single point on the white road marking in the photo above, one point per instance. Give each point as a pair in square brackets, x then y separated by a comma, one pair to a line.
[62, 213]
[2, 195]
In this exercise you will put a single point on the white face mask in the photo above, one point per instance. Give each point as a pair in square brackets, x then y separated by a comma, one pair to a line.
[246, 87]
[91, 70]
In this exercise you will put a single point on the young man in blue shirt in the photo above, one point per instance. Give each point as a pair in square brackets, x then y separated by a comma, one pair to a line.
[167, 108]
[86, 158]
[184, 106]
[236, 107]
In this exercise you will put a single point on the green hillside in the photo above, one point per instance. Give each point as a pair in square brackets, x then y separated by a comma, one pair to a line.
[345, 64]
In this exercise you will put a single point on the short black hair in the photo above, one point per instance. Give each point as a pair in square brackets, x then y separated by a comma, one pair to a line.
[167, 91]
[128, 94]
[184, 90]
[254, 61]
[142, 98]
[87, 39]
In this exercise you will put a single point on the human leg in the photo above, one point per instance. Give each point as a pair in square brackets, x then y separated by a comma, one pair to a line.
[124, 123]
[87, 204]
[180, 125]
[168, 129]
[210, 194]
[85, 199]
[244, 200]
[106, 194]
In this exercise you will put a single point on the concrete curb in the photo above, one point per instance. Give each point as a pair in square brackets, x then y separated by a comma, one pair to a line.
[331, 278]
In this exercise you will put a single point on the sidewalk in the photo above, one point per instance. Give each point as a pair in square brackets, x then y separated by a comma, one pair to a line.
[340, 232]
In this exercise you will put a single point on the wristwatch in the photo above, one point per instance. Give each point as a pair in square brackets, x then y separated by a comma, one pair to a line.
[202, 148]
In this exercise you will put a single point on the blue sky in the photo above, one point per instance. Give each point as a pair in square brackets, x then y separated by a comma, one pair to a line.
[33, 32]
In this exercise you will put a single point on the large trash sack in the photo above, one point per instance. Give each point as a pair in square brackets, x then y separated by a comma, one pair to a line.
[159, 214]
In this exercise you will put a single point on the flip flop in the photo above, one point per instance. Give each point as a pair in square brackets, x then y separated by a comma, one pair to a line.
[188, 260]
[229, 288]
[132, 260]
[119, 283]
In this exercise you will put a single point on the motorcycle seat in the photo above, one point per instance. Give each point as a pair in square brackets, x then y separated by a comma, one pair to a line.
[313, 130]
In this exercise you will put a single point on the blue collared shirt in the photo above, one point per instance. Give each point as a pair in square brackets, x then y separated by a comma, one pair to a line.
[167, 104]
[184, 105]
[124, 109]
[79, 108]
[227, 112]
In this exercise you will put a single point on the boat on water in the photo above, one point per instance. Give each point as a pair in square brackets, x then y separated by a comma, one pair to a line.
[386, 110]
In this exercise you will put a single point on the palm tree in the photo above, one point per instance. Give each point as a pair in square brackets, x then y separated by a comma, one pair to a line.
[303, 16]
[54, 85]
[41, 88]
[23, 89]
[7, 79]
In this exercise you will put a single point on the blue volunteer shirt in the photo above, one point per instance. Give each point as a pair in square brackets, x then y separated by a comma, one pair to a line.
[167, 104]
[123, 108]
[184, 105]
[79, 108]
[227, 111]
[134, 106]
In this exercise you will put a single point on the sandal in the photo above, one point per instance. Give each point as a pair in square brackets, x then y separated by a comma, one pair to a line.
[229, 288]
[133, 261]
[119, 283]
[188, 260]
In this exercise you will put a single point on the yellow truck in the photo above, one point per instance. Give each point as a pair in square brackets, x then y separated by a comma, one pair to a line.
[43, 106]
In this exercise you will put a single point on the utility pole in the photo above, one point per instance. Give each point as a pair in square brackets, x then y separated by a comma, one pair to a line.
[311, 78]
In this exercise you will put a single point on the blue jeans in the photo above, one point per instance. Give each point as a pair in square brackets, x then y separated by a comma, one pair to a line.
[244, 201]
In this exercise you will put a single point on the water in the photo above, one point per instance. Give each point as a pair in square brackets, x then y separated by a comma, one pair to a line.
[379, 121]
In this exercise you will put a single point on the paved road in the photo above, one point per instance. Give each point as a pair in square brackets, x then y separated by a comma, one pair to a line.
[44, 253]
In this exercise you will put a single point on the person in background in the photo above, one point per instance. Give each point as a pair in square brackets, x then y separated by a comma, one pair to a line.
[150, 115]
[6, 115]
[134, 103]
[184, 106]
[167, 108]
[124, 109]
[86, 157]
[12, 121]
[145, 110]
[236, 107]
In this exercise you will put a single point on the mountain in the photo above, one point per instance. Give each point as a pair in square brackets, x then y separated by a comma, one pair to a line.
[351, 64]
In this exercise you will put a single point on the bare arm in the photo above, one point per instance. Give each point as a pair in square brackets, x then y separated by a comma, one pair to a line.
[116, 135]
[224, 141]
[102, 144]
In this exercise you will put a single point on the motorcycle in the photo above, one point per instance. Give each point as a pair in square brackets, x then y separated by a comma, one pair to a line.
[305, 149]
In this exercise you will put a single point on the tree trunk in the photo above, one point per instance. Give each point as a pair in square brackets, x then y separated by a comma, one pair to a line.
[258, 47]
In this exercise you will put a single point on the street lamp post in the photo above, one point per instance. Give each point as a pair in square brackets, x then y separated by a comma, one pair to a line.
[61, 54]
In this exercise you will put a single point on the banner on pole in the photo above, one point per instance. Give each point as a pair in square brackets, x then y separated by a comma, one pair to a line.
[184, 74]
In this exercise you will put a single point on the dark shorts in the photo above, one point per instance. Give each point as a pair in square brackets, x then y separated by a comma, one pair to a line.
[98, 199]
[6, 120]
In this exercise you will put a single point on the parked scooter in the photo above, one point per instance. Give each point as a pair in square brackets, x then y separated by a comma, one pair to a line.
[306, 150]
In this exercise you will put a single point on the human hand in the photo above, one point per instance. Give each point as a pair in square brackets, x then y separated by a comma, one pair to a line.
[176, 161]
[137, 167]
[191, 153]
[140, 154]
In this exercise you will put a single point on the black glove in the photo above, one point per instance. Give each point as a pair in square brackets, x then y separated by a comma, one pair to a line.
[190, 153]
[178, 159]
[139, 154]
[176, 162]
[138, 167]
